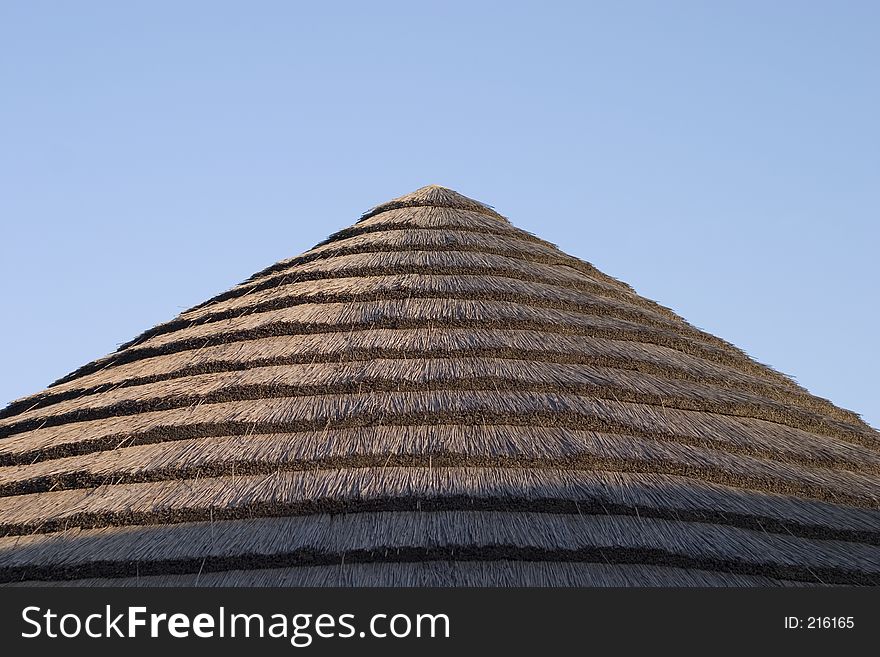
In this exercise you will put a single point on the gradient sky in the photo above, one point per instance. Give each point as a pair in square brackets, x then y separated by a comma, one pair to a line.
[722, 158]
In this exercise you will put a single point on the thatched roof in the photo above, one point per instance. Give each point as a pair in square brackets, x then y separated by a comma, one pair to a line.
[433, 396]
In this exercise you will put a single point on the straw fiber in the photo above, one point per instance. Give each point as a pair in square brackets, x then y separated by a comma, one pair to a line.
[433, 397]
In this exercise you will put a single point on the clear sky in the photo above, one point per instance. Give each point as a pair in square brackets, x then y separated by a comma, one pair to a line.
[721, 157]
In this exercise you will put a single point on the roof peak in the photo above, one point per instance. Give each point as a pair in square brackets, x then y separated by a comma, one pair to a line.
[434, 196]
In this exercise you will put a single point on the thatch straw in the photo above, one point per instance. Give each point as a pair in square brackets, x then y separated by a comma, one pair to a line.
[184, 486]
[408, 536]
[433, 196]
[446, 573]
[435, 376]
[259, 413]
[433, 396]
[346, 317]
[431, 343]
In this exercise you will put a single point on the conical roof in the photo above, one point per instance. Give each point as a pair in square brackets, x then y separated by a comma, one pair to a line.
[434, 397]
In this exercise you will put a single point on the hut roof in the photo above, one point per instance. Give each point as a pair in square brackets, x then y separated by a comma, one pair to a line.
[433, 396]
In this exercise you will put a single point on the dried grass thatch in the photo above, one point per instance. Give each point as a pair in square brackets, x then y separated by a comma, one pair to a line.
[434, 397]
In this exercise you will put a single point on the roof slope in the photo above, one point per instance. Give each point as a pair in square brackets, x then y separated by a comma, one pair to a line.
[433, 396]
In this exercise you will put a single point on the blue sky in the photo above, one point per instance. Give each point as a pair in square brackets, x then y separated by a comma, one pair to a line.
[723, 158]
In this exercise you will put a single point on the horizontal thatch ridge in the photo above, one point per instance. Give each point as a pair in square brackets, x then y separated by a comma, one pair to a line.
[422, 285]
[433, 535]
[432, 218]
[418, 313]
[443, 573]
[450, 287]
[421, 239]
[361, 346]
[420, 485]
[438, 408]
[432, 448]
[421, 374]
[435, 262]
[409, 262]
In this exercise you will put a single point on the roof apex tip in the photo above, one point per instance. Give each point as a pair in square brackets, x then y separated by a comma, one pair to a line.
[434, 196]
